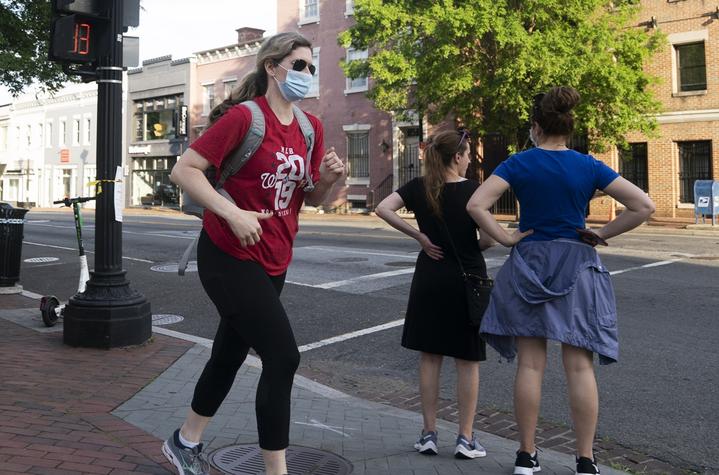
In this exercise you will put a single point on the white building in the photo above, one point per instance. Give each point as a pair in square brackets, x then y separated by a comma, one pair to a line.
[48, 146]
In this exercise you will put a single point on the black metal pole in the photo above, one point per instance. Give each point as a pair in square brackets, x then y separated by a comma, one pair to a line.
[109, 313]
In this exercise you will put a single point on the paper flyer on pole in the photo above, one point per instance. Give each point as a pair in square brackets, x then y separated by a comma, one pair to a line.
[119, 194]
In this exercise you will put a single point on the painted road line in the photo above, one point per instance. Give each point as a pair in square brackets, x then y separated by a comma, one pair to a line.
[87, 252]
[349, 336]
[645, 266]
[364, 278]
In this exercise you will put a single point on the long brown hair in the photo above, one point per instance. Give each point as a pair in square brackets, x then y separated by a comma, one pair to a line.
[439, 151]
[274, 49]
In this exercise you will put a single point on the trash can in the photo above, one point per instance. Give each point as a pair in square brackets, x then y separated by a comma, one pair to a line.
[11, 234]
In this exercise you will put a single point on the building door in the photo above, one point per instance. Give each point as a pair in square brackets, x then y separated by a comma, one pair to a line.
[409, 163]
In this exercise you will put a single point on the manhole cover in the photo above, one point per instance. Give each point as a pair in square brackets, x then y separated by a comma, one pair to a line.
[165, 319]
[350, 259]
[42, 259]
[400, 264]
[247, 459]
[172, 268]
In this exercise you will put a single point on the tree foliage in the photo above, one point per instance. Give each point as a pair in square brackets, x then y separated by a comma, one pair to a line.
[483, 61]
[24, 41]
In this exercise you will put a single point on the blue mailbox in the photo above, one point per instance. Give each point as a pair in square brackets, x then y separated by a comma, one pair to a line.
[706, 200]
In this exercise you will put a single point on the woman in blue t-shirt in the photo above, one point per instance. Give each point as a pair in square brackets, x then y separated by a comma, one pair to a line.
[554, 286]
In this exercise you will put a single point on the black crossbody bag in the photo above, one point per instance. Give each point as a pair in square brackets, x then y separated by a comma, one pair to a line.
[477, 288]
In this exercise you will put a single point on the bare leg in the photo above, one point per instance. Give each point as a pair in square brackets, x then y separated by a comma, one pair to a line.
[583, 396]
[528, 388]
[194, 426]
[467, 393]
[429, 369]
[275, 462]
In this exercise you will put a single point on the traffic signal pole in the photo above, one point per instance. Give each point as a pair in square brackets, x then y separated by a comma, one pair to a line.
[109, 313]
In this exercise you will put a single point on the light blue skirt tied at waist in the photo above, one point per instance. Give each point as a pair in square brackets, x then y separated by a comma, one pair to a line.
[557, 290]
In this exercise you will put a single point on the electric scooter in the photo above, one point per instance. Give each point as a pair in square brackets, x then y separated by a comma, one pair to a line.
[50, 306]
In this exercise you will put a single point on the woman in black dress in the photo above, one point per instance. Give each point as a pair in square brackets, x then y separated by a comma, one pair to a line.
[437, 321]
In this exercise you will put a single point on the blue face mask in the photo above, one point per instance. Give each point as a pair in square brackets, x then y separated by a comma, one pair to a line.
[296, 86]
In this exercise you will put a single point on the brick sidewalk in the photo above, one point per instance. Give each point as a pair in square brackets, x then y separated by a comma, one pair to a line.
[55, 403]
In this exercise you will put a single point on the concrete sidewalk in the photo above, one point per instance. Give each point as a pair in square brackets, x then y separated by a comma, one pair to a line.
[69, 411]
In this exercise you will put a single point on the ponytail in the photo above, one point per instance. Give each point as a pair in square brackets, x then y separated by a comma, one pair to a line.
[439, 151]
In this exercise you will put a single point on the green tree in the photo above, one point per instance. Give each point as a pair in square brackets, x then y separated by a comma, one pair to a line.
[24, 40]
[483, 61]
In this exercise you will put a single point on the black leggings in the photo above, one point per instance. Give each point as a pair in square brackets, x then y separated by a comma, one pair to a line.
[252, 316]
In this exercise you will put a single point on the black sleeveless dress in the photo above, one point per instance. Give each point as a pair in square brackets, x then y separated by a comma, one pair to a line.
[437, 319]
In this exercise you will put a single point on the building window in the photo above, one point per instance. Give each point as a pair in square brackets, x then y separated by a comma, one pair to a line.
[155, 118]
[28, 136]
[88, 130]
[63, 133]
[309, 11]
[208, 98]
[315, 87]
[360, 83]
[229, 86]
[151, 185]
[48, 135]
[76, 132]
[695, 163]
[691, 67]
[633, 165]
[358, 154]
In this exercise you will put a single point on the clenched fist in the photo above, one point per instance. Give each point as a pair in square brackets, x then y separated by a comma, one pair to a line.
[332, 167]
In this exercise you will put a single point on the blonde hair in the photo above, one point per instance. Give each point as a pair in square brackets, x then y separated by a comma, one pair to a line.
[439, 152]
[275, 49]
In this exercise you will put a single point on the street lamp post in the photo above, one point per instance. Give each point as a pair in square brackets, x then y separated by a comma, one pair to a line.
[109, 313]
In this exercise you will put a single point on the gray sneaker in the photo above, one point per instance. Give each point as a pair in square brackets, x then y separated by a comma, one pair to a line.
[187, 461]
[427, 443]
[469, 449]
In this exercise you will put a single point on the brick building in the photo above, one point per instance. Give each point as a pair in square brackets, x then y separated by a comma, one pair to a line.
[687, 146]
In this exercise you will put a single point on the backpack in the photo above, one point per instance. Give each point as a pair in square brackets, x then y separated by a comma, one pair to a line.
[233, 163]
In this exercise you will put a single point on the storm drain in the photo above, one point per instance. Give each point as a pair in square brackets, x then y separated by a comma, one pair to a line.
[35, 260]
[247, 460]
[172, 268]
[165, 319]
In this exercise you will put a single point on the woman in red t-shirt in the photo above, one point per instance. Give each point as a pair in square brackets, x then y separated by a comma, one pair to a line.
[245, 247]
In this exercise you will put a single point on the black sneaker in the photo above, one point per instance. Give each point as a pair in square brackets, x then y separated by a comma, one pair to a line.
[586, 466]
[526, 464]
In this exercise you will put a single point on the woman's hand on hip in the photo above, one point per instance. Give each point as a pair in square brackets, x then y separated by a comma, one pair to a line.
[246, 226]
[432, 250]
[517, 236]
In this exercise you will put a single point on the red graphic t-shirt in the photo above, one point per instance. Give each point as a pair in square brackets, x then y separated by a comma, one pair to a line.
[272, 180]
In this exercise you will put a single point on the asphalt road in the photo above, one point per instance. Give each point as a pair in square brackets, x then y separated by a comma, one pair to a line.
[662, 398]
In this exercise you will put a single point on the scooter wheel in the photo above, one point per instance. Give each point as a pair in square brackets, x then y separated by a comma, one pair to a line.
[48, 307]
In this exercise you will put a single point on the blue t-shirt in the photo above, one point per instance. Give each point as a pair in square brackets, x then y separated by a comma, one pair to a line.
[554, 189]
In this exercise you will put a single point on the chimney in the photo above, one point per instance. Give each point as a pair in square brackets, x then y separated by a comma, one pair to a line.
[247, 34]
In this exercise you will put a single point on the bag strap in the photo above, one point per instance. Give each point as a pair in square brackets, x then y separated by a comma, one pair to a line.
[309, 133]
[454, 249]
[252, 141]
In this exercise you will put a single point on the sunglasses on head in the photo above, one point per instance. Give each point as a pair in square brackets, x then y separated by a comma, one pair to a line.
[465, 134]
[300, 65]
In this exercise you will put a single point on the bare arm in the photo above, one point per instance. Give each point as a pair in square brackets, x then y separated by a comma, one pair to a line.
[387, 210]
[331, 169]
[478, 208]
[188, 173]
[638, 208]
